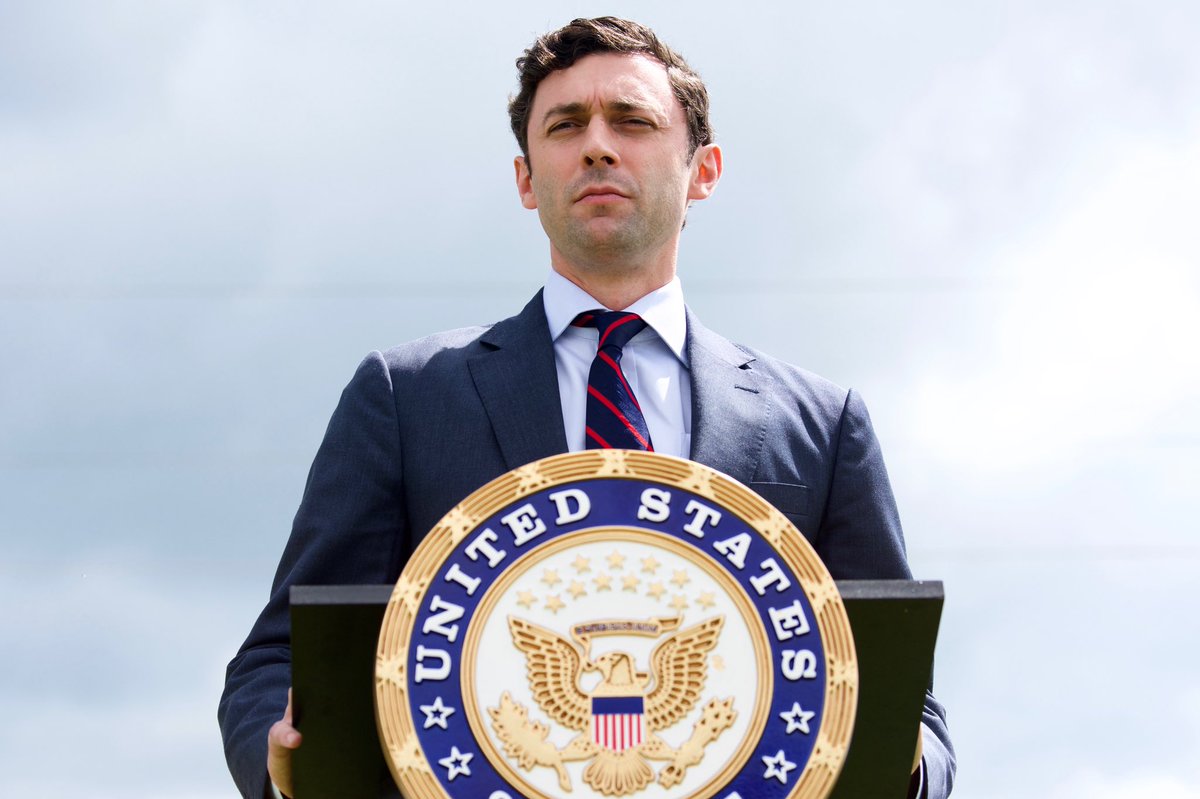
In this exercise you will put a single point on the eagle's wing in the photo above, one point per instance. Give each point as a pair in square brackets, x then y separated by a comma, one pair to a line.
[680, 668]
[552, 664]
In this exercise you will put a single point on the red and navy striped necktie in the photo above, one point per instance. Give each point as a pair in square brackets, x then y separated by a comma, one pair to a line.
[614, 418]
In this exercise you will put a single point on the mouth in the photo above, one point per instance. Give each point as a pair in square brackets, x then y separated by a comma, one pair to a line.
[601, 194]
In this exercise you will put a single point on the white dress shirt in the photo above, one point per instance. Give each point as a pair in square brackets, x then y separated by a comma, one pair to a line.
[654, 362]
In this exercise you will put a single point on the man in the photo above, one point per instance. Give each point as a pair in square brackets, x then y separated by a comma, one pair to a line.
[615, 139]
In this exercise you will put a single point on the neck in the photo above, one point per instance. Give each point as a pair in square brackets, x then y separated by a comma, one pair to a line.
[616, 286]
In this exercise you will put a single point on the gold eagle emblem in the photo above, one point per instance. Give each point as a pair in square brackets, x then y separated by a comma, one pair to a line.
[617, 720]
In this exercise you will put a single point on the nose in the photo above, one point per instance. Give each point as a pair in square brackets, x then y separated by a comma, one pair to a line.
[598, 145]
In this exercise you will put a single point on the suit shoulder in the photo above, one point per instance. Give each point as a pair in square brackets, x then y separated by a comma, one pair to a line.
[421, 360]
[446, 346]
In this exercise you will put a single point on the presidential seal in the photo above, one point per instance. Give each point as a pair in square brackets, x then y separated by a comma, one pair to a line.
[615, 624]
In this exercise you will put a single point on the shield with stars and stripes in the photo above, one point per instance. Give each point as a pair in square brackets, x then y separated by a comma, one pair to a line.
[617, 722]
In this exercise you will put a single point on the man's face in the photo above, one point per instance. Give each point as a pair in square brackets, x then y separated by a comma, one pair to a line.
[608, 170]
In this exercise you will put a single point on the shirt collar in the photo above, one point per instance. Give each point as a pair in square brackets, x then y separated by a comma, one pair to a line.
[662, 309]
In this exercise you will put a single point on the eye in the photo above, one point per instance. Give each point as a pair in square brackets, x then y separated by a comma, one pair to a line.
[637, 121]
[562, 125]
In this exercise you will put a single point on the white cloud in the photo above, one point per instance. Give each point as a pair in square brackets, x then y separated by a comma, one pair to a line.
[120, 663]
[1092, 784]
[1096, 338]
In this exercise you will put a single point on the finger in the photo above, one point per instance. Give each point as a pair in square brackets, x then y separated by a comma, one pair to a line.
[282, 738]
[283, 732]
[283, 735]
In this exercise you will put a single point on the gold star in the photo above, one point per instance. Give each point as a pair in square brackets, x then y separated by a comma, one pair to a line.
[629, 582]
[656, 590]
[409, 757]
[706, 600]
[529, 481]
[650, 564]
[576, 589]
[526, 599]
[581, 564]
[680, 578]
[718, 663]
[554, 604]
[550, 577]
[603, 582]
[392, 670]
[679, 602]
[616, 560]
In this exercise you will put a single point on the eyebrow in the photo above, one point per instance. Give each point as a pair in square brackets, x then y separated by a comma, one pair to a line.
[620, 106]
[564, 110]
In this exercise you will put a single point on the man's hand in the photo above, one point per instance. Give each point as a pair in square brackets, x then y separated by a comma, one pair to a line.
[281, 740]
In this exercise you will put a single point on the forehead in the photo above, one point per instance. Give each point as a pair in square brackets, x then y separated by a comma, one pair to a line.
[602, 78]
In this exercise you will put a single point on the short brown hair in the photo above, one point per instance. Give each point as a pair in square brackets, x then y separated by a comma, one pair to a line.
[561, 48]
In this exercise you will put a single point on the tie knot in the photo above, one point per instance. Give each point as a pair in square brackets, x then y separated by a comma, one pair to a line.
[616, 327]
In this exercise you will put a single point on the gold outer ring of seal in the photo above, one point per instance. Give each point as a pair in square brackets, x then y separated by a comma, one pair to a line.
[393, 716]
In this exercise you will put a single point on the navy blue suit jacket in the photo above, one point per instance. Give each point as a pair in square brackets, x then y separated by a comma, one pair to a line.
[423, 425]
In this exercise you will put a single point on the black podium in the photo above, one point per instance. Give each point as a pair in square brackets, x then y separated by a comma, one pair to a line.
[335, 631]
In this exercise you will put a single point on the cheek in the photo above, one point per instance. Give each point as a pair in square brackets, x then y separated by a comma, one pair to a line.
[545, 186]
[669, 183]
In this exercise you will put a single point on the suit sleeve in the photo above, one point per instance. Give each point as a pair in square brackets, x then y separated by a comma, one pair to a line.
[860, 538]
[939, 760]
[350, 528]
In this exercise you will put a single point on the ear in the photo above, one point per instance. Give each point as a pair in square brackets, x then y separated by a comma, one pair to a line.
[706, 171]
[524, 183]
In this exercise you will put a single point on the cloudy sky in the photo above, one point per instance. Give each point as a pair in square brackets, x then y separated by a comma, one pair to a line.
[980, 215]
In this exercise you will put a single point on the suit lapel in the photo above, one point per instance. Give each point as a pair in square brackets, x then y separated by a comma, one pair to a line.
[729, 404]
[517, 382]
